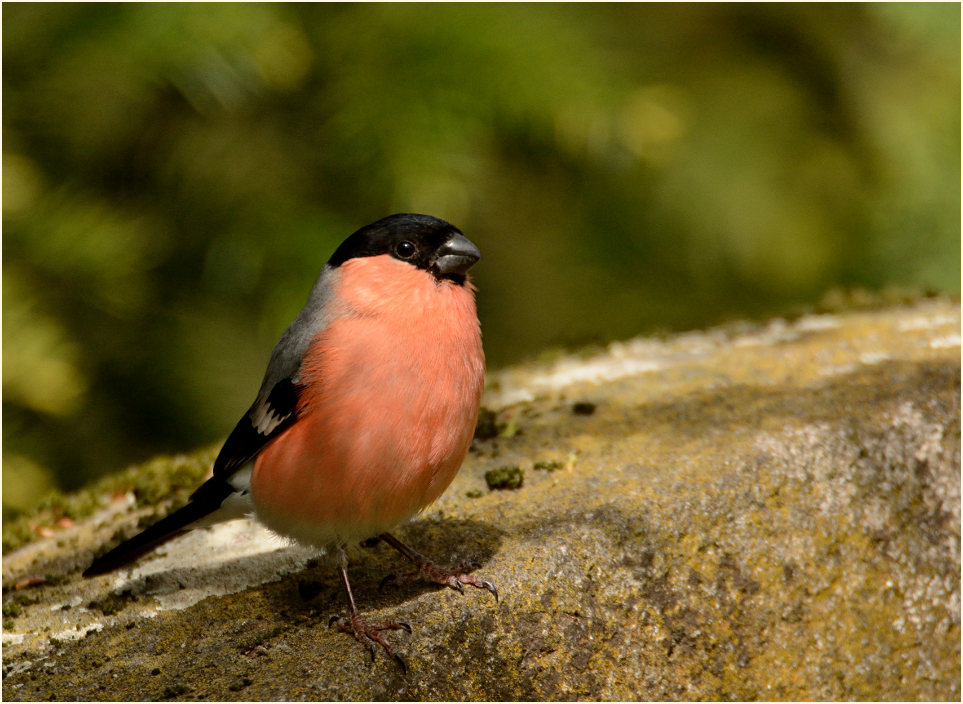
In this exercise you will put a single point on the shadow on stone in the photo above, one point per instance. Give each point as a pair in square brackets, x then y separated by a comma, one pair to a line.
[446, 541]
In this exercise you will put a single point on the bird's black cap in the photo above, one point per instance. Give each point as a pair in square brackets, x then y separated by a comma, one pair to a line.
[421, 240]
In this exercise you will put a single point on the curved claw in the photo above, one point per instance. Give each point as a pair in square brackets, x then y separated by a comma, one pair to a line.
[401, 664]
[388, 578]
[457, 585]
[404, 625]
[490, 587]
[333, 620]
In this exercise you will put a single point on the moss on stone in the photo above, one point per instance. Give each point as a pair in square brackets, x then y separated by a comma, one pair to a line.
[161, 483]
[506, 477]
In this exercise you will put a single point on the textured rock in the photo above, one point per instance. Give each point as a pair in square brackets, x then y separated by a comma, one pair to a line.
[750, 513]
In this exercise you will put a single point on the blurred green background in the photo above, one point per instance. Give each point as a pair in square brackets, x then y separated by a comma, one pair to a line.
[174, 176]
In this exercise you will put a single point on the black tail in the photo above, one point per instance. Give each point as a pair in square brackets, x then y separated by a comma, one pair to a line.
[206, 500]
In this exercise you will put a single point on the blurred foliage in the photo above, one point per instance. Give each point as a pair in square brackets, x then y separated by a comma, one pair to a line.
[174, 176]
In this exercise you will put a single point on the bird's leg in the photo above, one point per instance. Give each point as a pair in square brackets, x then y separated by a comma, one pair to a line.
[365, 632]
[454, 577]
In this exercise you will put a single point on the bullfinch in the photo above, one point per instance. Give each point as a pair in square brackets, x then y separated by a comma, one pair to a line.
[365, 413]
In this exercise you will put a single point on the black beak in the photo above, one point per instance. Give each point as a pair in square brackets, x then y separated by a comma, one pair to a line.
[456, 256]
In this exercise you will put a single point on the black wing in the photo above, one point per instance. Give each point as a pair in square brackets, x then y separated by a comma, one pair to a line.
[262, 423]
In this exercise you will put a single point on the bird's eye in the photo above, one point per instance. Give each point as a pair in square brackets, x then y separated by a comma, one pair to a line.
[405, 250]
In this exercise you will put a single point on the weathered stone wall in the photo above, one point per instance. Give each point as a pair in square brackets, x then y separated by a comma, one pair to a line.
[763, 512]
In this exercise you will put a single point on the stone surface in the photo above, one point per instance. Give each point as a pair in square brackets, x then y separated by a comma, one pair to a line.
[756, 512]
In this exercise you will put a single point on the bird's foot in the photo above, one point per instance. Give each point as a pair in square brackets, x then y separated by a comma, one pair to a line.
[452, 577]
[368, 634]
